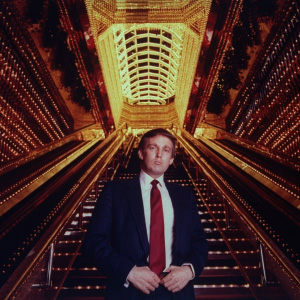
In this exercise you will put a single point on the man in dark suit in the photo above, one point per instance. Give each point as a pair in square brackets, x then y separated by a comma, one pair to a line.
[121, 240]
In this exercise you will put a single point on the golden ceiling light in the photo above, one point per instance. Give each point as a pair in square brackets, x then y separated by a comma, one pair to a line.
[148, 61]
[148, 50]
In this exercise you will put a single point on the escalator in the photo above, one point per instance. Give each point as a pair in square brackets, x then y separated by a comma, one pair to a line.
[234, 269]
[262, 199]
[24, 224]
[29, 225]
[221, 278]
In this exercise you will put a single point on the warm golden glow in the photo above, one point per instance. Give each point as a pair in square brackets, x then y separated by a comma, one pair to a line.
[148, 50]
[148, 61]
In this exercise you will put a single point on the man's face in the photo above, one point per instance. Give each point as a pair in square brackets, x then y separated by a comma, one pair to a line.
[156, 156]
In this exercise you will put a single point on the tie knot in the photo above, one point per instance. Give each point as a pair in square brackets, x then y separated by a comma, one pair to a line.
[154, 183]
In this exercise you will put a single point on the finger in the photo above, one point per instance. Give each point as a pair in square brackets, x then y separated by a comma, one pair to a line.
[154, 284]
[167, 278]
[168, 283]
[174, 287]
[151, 288]
[178, 286]
[156, 278]
[143, 289]
[175, 290]
[170, 287]
[152, 281]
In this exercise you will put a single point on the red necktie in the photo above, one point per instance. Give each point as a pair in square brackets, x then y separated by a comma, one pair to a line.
[157, 259]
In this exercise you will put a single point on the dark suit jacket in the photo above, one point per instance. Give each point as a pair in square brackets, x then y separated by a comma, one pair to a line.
[117, 239]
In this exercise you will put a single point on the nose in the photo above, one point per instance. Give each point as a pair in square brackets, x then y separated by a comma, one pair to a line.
[159, 153]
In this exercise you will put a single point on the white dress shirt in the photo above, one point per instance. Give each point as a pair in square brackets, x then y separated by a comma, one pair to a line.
[168, 211]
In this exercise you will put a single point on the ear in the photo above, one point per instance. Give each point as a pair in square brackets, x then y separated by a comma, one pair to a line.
[171, 161]
[140, 153]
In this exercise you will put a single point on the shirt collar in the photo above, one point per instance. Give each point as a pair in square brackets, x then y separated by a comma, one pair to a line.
[147, 179]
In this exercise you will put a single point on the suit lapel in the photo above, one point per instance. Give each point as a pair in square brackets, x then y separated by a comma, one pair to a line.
[134, 196]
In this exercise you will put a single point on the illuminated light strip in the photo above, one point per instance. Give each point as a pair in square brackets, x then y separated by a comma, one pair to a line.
[221, 286]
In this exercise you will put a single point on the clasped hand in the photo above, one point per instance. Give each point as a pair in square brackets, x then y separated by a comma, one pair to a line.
[147, 281]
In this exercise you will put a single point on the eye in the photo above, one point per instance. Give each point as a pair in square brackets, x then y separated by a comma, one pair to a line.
[152, 147]
[167, 150]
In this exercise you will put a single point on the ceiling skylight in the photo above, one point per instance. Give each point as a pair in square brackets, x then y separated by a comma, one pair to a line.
[148, 61]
